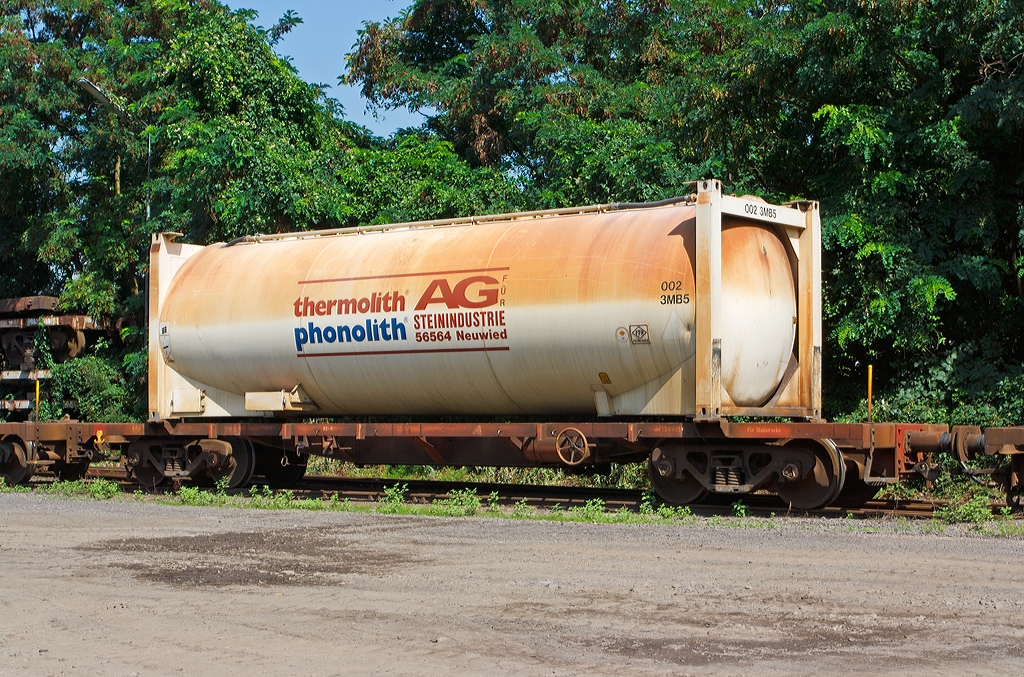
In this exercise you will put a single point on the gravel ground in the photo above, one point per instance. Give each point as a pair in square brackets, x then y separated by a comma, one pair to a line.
[122, 588]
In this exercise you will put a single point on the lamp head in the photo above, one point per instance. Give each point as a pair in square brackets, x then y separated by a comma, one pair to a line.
[95, 92]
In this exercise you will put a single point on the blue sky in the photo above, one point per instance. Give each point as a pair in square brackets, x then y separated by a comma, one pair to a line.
[318, 46]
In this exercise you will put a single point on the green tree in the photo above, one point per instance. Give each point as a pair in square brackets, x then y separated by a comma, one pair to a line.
[416, 177]
[240, 144]
[560, 94]
[904, 118]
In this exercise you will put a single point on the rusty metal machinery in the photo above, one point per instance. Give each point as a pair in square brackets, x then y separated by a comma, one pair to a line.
[21, 321]
[806, 463]
[967, 443]
[21, 318]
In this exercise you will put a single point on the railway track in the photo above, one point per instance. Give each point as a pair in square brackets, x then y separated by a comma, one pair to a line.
[370, 490]
[547, 496]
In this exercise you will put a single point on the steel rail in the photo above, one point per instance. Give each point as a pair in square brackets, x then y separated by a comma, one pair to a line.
[371, 489]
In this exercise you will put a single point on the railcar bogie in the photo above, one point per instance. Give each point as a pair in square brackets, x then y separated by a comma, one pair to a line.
[151, 461]
[27, 324]
[806, 474]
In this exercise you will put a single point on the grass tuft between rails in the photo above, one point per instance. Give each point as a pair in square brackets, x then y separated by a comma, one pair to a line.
[975, 512]
[100, 489]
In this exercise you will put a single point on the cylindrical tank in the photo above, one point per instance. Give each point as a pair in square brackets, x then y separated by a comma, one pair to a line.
[566, 314]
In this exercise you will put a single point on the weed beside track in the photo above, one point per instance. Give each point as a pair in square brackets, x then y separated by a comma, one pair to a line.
[975, 514]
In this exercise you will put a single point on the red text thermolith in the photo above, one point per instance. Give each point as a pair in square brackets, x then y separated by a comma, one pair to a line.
[389, 302]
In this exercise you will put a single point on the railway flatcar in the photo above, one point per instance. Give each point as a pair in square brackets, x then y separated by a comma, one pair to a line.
[26, 324]
[571, 337]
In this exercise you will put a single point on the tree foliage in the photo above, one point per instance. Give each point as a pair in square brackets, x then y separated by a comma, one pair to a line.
[903, 117]
[208, 125]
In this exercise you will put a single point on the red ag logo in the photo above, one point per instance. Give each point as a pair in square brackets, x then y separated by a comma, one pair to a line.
[438, 291]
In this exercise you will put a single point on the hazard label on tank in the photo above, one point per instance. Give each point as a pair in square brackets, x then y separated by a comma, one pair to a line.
[639, 333]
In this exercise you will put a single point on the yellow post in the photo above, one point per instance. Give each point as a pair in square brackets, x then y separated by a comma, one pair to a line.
[37, 400]
[871, 373]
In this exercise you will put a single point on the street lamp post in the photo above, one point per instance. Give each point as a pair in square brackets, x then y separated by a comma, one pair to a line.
[104, 100]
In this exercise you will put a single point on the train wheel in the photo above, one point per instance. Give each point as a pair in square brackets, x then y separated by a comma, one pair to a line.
[143, 465]
[238, 467]
[147, 476]
[18, 460]
[674, 490]
[19, 347]
[69, 472]
[821, 486]
[66, 343]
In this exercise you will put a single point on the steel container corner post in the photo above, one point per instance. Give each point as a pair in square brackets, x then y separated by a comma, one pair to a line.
[636, 310]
